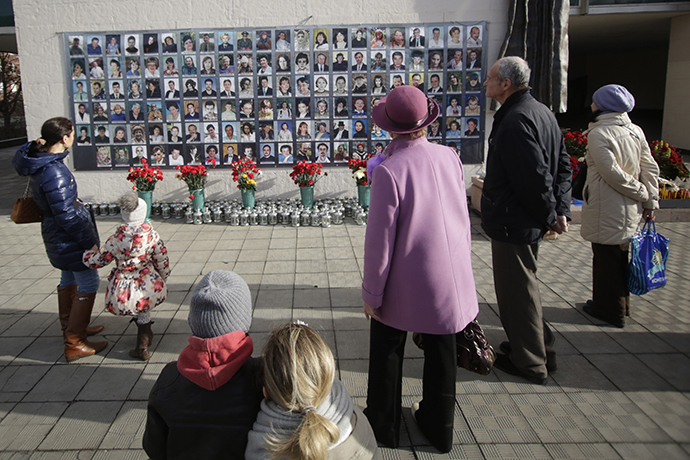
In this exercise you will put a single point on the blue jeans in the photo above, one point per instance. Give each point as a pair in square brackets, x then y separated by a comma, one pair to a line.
[87, 280]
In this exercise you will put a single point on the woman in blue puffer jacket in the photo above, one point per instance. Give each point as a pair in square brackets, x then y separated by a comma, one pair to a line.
[67, 229]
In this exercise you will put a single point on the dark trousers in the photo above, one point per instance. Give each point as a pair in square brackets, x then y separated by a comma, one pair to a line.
[384, 396]
[609, 282]
[519, 304]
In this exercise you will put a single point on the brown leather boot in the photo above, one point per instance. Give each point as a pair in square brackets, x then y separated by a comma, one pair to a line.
[65, 298]
[76, 345]
[144, 341]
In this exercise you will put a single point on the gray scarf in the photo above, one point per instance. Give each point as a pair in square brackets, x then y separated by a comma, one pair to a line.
[272, 419]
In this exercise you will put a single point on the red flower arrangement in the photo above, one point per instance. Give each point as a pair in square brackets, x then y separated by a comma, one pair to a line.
[145, 177]
[575, 164]
[359, 171]
[575, 143]
[306, 174]
[244, 172]
[669, 160]
[193, 175]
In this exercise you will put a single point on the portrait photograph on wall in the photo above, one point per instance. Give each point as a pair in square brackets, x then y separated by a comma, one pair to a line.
[276, 95]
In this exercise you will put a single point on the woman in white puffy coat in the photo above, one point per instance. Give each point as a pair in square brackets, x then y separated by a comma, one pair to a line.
[622, 187]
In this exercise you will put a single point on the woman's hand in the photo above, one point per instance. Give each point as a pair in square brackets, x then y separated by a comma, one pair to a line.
[370, 312]
[648, 214]
[94, 248]
[561, 225]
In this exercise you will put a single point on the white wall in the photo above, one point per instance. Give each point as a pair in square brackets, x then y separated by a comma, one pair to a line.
[40, 23]
[677, 104]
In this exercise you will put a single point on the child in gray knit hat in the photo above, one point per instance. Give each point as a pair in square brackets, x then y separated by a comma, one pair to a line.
[221, 303]
[203, 405]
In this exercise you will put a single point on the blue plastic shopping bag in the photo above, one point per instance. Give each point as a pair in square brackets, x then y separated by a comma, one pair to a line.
[648, 255]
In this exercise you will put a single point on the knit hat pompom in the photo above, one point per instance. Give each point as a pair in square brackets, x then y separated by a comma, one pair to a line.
[613, 98]
[133, 209]
[221, 303]
[129, 202]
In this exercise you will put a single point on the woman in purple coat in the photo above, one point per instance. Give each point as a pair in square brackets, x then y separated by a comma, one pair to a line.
[417, 268]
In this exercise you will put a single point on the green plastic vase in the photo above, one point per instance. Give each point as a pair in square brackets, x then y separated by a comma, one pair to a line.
[307, 195]
[363, 193]
[146, 196]
[247, 198]
[198, 201]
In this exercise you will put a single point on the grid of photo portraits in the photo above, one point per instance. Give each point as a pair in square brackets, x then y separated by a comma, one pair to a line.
[276, 95]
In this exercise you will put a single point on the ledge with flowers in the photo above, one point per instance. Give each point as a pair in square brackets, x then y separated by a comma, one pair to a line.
[245, 175]
[275, 182]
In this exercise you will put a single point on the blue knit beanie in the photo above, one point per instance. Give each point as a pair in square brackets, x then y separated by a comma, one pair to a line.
[613, 98]
[221, 303]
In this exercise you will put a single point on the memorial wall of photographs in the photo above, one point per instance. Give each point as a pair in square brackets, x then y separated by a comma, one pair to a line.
[277, 95]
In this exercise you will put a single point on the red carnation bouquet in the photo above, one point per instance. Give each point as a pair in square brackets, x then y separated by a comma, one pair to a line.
[575, 164]
[145, 177]
[193, 175]
[306, 174]
[575, 143]
[359, 171]
[244, 172]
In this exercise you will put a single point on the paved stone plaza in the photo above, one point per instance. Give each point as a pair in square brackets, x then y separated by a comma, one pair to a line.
[618, 393]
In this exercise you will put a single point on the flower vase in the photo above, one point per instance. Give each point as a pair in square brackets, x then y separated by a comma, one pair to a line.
[247, 198]
[146, 196]
[363, 192]
[307, 194]
[197, 199]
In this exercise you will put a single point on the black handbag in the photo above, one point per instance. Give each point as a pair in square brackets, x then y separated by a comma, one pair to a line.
[474, 351]
[25, 209]
[579, 182]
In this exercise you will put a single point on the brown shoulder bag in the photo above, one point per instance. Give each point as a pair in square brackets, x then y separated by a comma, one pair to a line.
[25, 210]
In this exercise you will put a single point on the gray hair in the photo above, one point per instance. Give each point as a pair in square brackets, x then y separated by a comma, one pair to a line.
[514, 69]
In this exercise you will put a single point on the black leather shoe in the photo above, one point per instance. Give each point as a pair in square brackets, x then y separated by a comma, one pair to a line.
[504, 363]
[386, 438]
[444, 448]
[591, 310]
[551, 365]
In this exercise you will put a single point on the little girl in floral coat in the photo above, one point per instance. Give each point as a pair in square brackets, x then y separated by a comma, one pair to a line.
[137, 283]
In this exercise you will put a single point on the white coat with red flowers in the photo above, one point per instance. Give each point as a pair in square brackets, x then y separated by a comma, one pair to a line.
[137, 282]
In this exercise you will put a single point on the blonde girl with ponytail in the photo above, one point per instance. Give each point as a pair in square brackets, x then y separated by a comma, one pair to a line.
[306, 413]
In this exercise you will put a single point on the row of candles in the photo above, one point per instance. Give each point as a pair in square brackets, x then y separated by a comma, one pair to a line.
[269, 212]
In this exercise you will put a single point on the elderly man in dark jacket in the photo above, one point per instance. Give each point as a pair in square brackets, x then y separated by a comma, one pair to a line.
[204, 404]
[526, 192]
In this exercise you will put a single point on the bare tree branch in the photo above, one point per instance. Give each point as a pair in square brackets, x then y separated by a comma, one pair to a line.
[10, 87]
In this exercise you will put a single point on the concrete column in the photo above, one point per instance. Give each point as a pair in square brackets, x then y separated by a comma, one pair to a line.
[677, 101]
